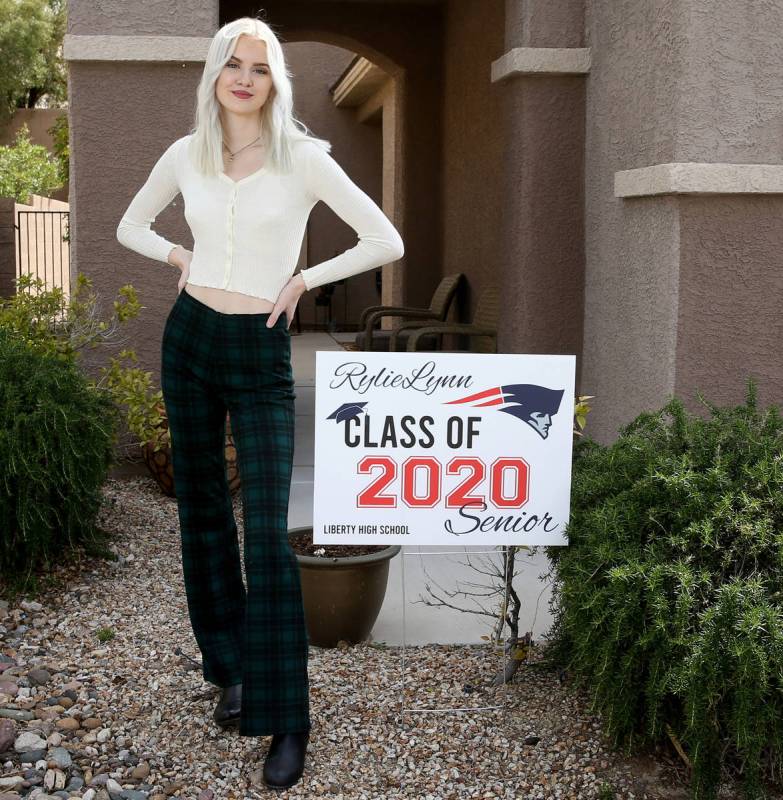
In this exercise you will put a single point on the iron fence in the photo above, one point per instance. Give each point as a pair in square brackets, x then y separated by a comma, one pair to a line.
[43, 246]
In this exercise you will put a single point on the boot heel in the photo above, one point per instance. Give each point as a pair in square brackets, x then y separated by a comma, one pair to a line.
[285, 759]
[229, 707]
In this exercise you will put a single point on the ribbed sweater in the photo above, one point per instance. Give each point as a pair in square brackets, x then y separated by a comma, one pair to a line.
[247, 234]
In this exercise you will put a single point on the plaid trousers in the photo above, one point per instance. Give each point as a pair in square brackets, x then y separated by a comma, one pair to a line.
[213, 362]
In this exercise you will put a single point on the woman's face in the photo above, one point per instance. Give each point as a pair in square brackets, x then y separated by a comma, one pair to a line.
[245, 81]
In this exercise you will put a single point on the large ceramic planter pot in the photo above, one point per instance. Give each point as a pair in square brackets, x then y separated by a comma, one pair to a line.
[160, 465]
[342, 595]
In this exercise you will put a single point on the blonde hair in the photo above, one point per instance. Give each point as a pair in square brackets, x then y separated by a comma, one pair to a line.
[279, 127]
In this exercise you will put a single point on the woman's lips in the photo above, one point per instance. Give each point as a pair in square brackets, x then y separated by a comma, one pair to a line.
[242, 95]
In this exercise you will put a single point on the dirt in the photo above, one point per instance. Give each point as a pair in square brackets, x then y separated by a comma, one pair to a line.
[303, 546]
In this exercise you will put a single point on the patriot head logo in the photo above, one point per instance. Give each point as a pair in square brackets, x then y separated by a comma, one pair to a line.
[534, 405]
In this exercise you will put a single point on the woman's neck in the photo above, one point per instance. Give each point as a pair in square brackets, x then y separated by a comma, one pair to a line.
[239, 131]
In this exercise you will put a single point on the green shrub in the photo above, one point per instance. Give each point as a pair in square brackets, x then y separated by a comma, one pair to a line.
[667, 601]
[49, 322]
[56, 443]
[27, 169]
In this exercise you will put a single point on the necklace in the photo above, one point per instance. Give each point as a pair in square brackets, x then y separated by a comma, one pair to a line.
[231, 155]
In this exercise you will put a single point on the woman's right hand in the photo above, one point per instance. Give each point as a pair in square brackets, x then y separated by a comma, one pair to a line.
[180, 257]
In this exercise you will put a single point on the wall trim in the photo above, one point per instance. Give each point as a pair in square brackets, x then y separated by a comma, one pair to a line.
[79, 47]
[541, 61]
[699, 178]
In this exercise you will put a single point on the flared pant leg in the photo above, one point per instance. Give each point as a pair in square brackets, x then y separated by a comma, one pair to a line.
[211, 566]
[275, 686]
[213, 362]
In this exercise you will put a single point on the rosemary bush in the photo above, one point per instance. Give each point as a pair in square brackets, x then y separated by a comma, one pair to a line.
[667, 601]
[56, 445]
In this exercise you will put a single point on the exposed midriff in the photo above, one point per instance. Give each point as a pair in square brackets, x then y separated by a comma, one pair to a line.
[229, 302]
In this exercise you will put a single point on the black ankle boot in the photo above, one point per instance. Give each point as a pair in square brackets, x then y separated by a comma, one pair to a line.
[229, 706]
[285, 760]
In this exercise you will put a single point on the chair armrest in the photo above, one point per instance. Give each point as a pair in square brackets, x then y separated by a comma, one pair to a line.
[465, 328]
[368, 310]
[424, 314]
[391, 310]
[394, 338]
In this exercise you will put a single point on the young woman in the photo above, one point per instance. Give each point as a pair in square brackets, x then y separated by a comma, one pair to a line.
[249, 174]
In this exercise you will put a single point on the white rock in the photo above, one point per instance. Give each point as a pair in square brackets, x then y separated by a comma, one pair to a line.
[29, 741]
[49, 778]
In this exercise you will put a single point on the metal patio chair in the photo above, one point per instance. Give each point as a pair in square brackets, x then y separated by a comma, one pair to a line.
[375, 339]
[483, 328]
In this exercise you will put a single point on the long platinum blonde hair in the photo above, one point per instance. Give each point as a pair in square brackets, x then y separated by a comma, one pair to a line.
[279, 127]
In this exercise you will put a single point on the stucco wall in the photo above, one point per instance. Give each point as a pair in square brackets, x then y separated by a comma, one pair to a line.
[730, 300]
[631, 247]
[151, 17]
[731, 289]
[542, 177]
[472, 158]
[680, 290]
[730, 101]
[122, 118]
[544, 23]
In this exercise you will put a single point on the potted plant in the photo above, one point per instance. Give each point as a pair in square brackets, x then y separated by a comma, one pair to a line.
[156, 451]
[343, 586]
[148, 422]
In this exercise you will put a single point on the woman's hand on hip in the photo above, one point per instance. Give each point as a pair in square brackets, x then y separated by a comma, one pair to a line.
[180, 257]
[287, 300]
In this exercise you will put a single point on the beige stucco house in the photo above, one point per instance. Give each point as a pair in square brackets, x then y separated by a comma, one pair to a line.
[616, 167]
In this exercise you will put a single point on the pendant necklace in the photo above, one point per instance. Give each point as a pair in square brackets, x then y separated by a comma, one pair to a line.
[231, 155]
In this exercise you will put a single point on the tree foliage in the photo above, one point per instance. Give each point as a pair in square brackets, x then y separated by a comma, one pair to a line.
[32, 69]
[27, 168]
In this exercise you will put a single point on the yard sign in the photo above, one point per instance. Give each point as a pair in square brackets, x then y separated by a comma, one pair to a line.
[442, 448]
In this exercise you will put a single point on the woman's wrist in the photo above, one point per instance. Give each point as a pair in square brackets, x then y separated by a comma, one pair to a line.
[174, 256]
[298, 281]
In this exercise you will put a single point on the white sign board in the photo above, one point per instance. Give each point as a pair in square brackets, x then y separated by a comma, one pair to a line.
[442, 448]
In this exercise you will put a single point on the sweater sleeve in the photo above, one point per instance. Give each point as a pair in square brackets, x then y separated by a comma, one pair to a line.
[134, 230]
[379, 241]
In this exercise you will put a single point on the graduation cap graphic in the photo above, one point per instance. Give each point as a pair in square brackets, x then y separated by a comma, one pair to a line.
[347, 411]
[534, 405]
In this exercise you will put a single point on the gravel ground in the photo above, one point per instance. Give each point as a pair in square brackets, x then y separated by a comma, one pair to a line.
[130, 717]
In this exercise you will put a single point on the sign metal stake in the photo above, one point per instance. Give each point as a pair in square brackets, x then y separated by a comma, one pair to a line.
[502, 706]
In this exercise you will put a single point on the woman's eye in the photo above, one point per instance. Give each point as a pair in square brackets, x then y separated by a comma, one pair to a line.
[234, 64]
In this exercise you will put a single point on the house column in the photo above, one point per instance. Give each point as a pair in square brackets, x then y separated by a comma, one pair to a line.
[542, 75]
[133, 70]
[684, 206]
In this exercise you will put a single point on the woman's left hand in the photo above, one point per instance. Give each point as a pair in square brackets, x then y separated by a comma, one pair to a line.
[287, 300]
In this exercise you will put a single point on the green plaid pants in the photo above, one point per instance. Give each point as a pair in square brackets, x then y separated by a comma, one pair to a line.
[213, 362]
